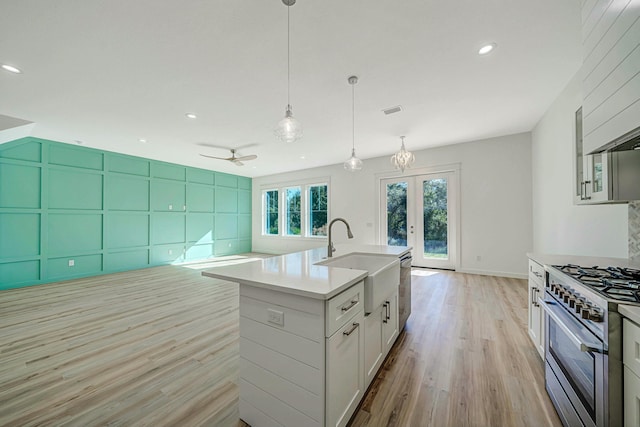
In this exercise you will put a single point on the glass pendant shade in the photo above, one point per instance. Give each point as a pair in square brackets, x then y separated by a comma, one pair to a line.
[289, 129]
[403, 159]
[353, 164]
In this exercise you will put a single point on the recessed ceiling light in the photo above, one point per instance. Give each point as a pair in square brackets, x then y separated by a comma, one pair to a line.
[302, 157]
[11, 68]
[487, 49]
[191, 116]
[142, 140]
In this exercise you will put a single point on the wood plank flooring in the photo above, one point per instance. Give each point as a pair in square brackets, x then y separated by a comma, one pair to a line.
[159, 347]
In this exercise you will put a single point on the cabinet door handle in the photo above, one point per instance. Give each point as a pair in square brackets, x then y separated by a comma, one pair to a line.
[582, 190]
[350, 306]
[350, 331]
[535, 273]
[585, 190]
[388, 310]
[385, 317]
[534, 301]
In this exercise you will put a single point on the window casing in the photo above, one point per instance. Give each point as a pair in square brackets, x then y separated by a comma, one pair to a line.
[297, 211]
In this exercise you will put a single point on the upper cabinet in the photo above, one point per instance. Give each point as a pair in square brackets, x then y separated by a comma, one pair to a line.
[591, 170]
[610, 71]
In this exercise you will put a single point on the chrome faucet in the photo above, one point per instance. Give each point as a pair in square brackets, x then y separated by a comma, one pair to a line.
[330, 248]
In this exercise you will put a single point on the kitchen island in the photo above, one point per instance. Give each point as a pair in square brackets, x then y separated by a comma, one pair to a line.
[307, 350]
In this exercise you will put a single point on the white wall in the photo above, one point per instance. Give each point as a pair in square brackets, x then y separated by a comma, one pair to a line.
[495, 199]
[559, 226]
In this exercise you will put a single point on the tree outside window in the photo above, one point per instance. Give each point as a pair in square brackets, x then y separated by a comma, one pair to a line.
[292, 214]
[318, 209]
[271, 212]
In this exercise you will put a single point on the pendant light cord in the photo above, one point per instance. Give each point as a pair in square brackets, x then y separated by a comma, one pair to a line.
[288, 58]
[353, 116]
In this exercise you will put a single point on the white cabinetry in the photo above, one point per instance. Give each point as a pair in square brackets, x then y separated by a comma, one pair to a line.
[345, 371]
[591, 171]
[536, 319]
[381, 331]
[631, 361]
[302, 360]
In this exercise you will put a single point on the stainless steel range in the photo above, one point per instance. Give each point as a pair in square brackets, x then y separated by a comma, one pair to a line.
[583, 341]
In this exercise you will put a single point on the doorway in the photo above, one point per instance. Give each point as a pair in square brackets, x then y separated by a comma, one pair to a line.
[422, 211]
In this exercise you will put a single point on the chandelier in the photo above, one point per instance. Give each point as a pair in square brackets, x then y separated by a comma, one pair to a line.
[403, 159]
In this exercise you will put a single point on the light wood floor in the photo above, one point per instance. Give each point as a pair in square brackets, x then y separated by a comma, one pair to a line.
[159, 347]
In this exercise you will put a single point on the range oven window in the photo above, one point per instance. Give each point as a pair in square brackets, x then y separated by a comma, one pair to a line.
[578, 367]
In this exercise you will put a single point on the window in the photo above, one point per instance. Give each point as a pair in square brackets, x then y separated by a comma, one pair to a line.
[318, 210]
[292, 211]
[305, 210]
[270, 204]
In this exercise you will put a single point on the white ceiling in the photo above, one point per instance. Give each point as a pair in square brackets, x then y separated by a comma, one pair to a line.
[109, 73]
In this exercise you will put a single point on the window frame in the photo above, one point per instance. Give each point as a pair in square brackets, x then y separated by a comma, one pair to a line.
[305, 198]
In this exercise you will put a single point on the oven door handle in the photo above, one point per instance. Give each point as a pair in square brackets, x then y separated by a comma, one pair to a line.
[584, 347]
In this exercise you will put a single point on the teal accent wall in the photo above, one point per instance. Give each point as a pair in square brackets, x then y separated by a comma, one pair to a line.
[107, 212]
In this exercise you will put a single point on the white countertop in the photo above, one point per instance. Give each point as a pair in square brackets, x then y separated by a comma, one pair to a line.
[297, 273]
[630, 311]
[584, 261]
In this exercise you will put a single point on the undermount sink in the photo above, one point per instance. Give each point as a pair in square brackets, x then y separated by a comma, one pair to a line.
[382, 278]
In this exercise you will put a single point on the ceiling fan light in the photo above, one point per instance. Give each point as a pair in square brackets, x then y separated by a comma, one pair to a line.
[403, 159]
[353, 164]
[288, 129]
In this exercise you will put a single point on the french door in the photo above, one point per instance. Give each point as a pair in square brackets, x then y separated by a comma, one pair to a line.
[421, 211]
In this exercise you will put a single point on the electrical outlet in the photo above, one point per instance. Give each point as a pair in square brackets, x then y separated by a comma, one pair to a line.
[170, 207]
[72, 262]
[170, 251]
[276, 317]
[478, 258]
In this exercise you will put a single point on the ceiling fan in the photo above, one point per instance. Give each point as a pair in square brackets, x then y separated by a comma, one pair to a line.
[233, 159]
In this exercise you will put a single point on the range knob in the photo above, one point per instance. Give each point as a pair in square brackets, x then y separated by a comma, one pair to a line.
[580, 302]
[596, 315]
[567, 296]
[573, 300]
[586, 310]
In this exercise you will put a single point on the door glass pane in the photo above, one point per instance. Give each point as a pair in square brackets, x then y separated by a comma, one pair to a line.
[435, 218]
[292, 218]
[597, 172]
[397, 214]
[271, 212]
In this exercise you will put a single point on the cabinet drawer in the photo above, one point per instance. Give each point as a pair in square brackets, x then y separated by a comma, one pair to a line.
[536, 271]
[343, 307]
[631, 345]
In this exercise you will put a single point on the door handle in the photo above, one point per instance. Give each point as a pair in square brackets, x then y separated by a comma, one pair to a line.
[582, 346]
[350, 331]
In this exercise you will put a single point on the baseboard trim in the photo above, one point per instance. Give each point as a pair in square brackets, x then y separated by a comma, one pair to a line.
[494, 273]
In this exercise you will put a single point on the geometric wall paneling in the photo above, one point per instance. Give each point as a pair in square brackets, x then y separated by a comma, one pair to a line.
[244, 202]
[110, 212]
[71, 234]
[83, 265]
[244, 227]
[162, 254]
[244, 246]
[128, 165]
[226, 247]
[18, 273]
[244, 183]
[196, 252]
[226, 226]
[226, 200]
[200, 228]
[167, 228]
[19, 235]
[67, 155]
[128, 260]
[126, 193]
[201, 176]
[74, 189]
[25, 149]
[126, 230]
[168, 171]
[200, 198]
[19, 186]
[226, 180]
[168, 196]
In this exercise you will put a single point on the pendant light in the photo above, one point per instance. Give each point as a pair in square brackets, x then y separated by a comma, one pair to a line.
[353, 164]
[403, 159]
[289, 129]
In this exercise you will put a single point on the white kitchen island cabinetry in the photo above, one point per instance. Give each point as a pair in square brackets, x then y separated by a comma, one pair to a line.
[303, 339]
[380, 332]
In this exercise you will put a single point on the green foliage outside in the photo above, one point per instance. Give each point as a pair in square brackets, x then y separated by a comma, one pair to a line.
[435, 218]
[271, 203]
[293, 211]
[318, 210]
[397, 214]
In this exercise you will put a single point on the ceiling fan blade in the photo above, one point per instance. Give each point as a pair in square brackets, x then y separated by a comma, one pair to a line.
[249, 157]
[218, 158]
[238, 163]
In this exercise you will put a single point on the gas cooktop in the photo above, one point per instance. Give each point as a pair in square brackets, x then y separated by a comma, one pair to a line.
[616, 283]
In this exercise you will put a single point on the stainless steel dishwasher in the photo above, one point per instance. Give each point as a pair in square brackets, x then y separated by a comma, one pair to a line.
[404, 293]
